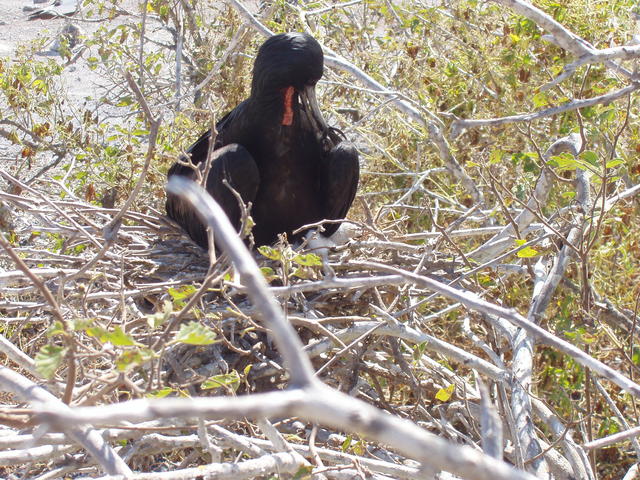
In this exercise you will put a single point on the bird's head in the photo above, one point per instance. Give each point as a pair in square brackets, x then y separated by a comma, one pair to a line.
[289, 59]
[289, 64]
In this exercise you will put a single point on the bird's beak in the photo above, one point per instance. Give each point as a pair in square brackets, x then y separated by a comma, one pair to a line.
[308, 96]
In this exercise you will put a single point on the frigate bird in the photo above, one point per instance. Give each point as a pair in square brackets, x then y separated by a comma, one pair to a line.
[275, 150]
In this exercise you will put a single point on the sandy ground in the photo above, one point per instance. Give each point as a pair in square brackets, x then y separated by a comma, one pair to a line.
[79, 82]
[15, 28]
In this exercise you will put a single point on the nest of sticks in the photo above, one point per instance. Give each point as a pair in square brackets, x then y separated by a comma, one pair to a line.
[344, 310]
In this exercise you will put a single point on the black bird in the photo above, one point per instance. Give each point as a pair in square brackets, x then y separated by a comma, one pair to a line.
[276, 151]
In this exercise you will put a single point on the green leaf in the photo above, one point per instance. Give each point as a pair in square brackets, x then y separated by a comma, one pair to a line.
[180, 294]
[495, 156]
[308, 260]
[303, 472]
[231, 379]
[117, 337]
[347, 443]
[444, 394]
[527, 160]
[55, 329]
[48, 359]
[527, 252]
[193, 333]
[302, 273]
[154, 320]
[564, 161]
[615, 162]
[125, 101]
[540, 100]
[589, 157]
[635, 357]
[269, 273]
[270, 252]
[163, 392]
[132, 358]
[120, 339]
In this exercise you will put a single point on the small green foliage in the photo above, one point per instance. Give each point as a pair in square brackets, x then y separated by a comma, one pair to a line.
[270, 252]
[347, 443]
[56, 328]
[580, 336]
[444, 394]
[269, 273]
[526, 252]
[155, 320]
[303, 472]
[131, 358]
[229, 380]
[194, 333]
[161, 393]
[181, 293]
[308, 260]
[49, 359]
[116, 336]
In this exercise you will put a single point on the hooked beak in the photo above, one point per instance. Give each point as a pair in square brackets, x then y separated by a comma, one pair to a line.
[308, 97]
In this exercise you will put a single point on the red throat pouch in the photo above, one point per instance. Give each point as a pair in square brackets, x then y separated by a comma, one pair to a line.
[287, 116]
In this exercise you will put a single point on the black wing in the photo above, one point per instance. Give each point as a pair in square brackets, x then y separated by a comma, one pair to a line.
[232, 166]
[339, 182]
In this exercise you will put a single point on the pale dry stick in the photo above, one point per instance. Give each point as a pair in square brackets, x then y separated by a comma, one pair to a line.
[332, 456]
[179, 47]
[434, 126]
[281, 445]
[479, 342]
[53, 205]
[632, 473]
[612, 439]
[84, 435]
[460, 125]
[335, 6]
[490, 424]
[475, 302]
[13, 277]
[143, 28]
[529, 450]
[402, 331]
[498, 244]
[16, 355]
[156, 443]
[110, 231]
[268, 465]
[467, 232]
[57, 314]
[320, 404]
[545, 285]
[559, 466]
[236, 441]
[351, 344]
[523, 342]
[621, 418]
[329, 283]
[41, 454]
